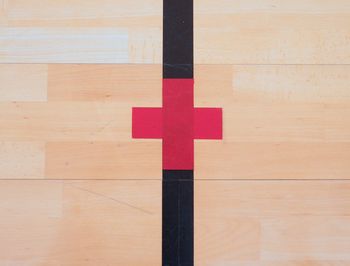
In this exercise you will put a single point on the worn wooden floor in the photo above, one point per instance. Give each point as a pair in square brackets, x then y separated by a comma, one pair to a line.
[76, 190]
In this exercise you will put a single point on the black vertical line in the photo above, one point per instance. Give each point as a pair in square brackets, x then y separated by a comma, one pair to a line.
[177, 38]
[177, 185]
[177, 219]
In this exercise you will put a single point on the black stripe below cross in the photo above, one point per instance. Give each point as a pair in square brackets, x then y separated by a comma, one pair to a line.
[177, 123]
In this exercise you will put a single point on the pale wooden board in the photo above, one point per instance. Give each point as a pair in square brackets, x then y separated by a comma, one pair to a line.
[272, 39]
[65, 121]
[280, 121]
[104, 160]
[272, 32]
[74, 13]
[22, 160]
[306, 262]
[272, 160]
[80, 32]
[137, 85]
[80, 223]
[23, 83]
[272, 6]
[80, 45]
[63, 45]
[272, 223]
[267, 84]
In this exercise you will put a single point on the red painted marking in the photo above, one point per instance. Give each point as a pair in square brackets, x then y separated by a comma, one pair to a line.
[147, 122]
[208, 123]
[178, 123]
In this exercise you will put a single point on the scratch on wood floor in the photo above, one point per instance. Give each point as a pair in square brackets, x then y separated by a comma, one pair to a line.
[111, 198]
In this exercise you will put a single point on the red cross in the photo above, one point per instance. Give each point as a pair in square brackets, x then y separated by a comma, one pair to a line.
[178, 123]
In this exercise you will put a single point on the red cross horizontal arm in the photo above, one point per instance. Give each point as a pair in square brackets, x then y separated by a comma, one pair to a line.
[178, 123]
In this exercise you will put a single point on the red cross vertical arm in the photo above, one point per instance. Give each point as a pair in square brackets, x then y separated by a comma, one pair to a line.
[178, 123]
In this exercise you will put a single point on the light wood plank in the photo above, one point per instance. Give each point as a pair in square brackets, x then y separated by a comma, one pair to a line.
[146, 45]
[279, 121]
[19, 160]
[23, 82]
[279, 103]
[301, 237]
[30, 215]
[104, 160]
[81, 13]
[293, 83]
[271, 38]
[272, 223]
[305, 262]
[272, 160]
[227, 84]
[3, 13]
[63, 45]
[272, 6]
[80, 223]
[65, 121]
[139, 85]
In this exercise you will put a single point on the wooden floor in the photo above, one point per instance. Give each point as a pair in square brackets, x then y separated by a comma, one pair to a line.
[76, 190]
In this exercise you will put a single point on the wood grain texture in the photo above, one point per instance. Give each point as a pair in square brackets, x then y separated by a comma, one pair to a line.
[236, 223]
[306, 262]
[63, 45]
[277, 38]
[271, 32]
[133, 84]
[272, 160]
[23, 83]
[220, 84]
[68, 121]
[22, 160]
[272, 6]
[80, 45]
[283, 122]
[80, 32]
[280, 121]
[105, 13]
[80, 223]
[104, 160]
[272, 223]
[283, 32]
